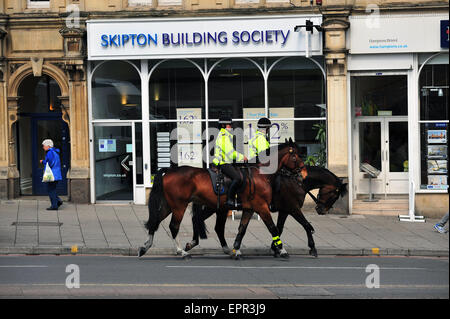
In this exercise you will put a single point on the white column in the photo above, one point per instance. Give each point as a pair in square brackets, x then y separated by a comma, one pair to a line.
[145, 123]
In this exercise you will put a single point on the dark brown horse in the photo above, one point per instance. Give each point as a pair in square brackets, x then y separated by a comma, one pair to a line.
[289, 194]
[174, 188]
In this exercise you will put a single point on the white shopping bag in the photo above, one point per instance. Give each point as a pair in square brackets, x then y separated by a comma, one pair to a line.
[48, 175]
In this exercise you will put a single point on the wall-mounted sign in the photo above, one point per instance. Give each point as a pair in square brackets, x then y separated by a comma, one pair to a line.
[396, 33]
[444, 34]
[201, 37]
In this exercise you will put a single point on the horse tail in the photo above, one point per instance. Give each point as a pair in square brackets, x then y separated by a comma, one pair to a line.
[198, 223]
[343, 189]
[156, 202]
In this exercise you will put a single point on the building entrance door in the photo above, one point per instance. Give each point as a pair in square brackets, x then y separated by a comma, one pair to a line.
[383, 143]
[114, 165]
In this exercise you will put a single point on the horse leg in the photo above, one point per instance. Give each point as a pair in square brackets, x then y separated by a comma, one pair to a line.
[299, 217]
[277, 245]
[245, 219]
[280, 225]
[220, 230]
[151, 232]
[174, 226]
[199, 214]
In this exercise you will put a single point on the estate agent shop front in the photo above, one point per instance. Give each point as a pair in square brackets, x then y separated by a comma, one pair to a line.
[156, 88]
[398, 108]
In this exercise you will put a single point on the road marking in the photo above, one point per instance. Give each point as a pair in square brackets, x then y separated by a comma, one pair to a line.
[23, 266]
[293, 267]
[398, 286]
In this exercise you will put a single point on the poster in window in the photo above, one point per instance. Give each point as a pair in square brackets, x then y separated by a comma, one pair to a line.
[189, 130]
[437, 166]
[106, 145]
[437, 182]
[280, 130]
[437, 136]
[437, 151]
[190, 155]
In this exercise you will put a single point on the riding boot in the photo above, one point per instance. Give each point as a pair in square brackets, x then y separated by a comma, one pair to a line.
[232, 194]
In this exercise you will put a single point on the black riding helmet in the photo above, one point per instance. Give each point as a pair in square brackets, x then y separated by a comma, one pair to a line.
[224, 120]
[264, 122]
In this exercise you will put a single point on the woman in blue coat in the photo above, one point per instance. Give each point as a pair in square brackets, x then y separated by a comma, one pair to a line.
[52, 158]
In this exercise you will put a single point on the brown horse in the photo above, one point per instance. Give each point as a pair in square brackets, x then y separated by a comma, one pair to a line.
[289, 191]
[174, 188]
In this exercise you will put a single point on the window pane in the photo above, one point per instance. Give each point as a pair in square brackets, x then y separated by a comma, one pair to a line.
[116, 92]
[380, 95]
[434, 92]
[235, 84]
[176, 85]
[168, 150]
[297, 83]
[434, 156]
[370, 143]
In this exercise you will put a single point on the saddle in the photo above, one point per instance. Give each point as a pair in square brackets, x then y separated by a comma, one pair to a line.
[221, 182]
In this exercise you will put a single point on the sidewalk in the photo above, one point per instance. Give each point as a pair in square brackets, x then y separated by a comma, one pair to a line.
[26, 227]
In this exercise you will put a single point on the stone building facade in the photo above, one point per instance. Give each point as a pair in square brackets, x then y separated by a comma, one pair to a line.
[44, 52]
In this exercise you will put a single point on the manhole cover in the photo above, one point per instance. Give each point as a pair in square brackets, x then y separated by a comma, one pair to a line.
[36, 224]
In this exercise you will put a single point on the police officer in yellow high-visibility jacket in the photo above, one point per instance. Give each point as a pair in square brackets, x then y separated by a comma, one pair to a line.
[259, 143]
[225, 154]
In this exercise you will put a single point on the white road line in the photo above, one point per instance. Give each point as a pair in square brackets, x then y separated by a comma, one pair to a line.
[291, 267]
[23, 266]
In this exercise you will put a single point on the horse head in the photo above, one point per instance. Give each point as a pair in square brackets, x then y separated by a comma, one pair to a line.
[328, 195]
[288, 156]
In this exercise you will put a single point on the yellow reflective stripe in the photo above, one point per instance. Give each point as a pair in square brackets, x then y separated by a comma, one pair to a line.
[277, 240]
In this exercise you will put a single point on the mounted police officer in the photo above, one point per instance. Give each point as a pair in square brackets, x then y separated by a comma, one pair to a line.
[225, 154]
[259, 142]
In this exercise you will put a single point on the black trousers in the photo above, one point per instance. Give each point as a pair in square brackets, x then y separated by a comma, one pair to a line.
[231, 172]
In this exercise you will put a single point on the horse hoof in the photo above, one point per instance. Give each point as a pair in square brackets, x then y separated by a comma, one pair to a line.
[284, 255]
[236, 255]
[226, 250]
[187, 257]
[188, 247]
[141, 251]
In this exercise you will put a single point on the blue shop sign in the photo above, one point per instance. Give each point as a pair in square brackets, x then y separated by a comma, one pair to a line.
[444, 34]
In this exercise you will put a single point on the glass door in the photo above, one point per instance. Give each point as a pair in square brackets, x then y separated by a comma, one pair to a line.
[369, 149]
[382, 142]
[113, 156]
[396, 155]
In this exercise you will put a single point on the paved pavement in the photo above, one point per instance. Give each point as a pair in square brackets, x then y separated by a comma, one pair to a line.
[26, 227]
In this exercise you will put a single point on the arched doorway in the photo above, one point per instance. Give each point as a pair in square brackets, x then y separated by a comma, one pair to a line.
[40, 117]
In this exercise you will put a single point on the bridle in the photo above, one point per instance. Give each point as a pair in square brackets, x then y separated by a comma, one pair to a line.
[297, 177]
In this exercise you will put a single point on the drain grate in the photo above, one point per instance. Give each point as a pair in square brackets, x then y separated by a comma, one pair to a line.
[56, 224]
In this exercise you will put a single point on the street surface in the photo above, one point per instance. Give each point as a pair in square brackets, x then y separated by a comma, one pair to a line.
[217, 276]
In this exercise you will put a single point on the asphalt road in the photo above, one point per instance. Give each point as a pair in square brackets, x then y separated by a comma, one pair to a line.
[220, 277]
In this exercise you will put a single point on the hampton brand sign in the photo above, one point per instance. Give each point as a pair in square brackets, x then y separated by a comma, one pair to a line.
[201, 37]
[396, 34]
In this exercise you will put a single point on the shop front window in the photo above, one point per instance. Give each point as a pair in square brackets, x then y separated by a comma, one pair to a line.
[380, 95]
[296, 89]
[434, 81]
[173, 86]
[235, 84]
[177, 111]
[116, 91]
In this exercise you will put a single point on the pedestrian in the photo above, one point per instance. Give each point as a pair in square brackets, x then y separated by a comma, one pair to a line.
[52, 158]
[440, 226]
